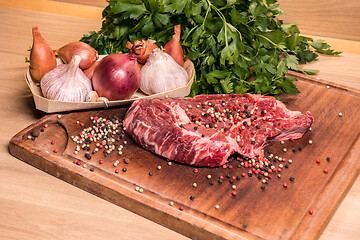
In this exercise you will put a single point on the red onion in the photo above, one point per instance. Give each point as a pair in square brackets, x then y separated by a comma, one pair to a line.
[117, 76]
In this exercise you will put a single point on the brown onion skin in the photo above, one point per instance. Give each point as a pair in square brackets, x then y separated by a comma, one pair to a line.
[142, 49]
[42, 58]
[90, 71]
[117, 77]
[173, 47]
[88, 54]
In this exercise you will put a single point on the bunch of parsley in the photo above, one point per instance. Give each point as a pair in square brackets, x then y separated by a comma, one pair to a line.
[237, 46]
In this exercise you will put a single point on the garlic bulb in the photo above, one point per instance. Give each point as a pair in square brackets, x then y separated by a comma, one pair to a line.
[66, 82]
[161, 73]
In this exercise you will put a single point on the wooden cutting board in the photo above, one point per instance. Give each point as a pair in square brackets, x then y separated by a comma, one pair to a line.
[168, 196]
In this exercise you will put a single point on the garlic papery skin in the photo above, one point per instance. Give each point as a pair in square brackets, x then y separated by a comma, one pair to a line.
[161, 73]
[66, 82]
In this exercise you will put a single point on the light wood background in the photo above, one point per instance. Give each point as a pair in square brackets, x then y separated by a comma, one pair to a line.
[35, 205]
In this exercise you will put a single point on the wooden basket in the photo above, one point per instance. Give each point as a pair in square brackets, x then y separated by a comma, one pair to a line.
[51, 106]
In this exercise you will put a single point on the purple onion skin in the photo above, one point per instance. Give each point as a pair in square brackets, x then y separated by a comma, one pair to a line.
[117, 77]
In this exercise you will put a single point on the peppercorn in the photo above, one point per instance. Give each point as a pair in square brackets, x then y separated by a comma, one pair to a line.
[151, 173]
[291, 178]
[211, 183]
[35, 133]
[328, 159]
[124, 169]
[262, 186]
[192, 197]
[87, 156]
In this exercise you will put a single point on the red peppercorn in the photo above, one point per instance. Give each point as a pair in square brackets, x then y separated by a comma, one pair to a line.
[233, 193]
[233, 178]
[279, 169]
[46, 125]
[311, 211]
[318, 160]
[52, 142]
[224, 166]
[270, 171]
[101, 161]
[116, 170]
[55, 150]
[243, 174]
[230, 166]
[82, 124]
[326, 171]
[100, 146]
[196, 170]
[285, 185]
[221, 177]
[181, 208]
[78, 163]
[96, 118]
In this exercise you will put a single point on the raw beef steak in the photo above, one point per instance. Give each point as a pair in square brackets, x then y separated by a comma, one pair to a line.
[207, 129]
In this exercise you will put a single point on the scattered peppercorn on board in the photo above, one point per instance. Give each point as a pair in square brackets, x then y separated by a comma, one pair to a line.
[294, 201]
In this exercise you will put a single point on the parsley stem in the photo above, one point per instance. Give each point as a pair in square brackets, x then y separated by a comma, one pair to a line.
[188, 34]
[267, 39]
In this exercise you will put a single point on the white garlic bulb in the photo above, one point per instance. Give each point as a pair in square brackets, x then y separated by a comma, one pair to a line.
[66, 82]
[161, 73]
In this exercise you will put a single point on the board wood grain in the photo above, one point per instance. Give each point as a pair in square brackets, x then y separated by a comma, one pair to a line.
[271, 213]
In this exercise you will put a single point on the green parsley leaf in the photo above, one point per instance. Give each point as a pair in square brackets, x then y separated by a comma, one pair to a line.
[236, 46]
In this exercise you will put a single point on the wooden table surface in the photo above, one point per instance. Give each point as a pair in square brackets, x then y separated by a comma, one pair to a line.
[35, 205]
